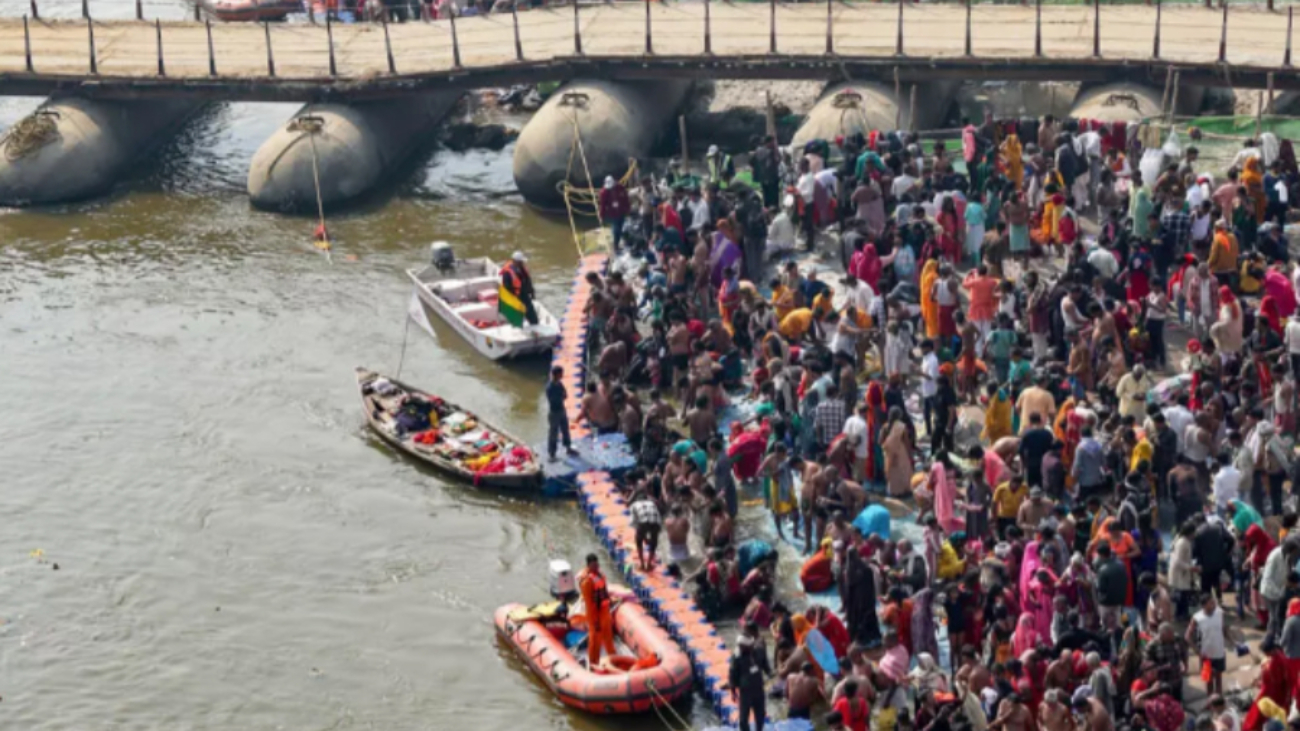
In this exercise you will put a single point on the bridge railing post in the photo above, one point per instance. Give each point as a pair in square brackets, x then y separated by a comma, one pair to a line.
[898, 46]
[311, 12]
[157, 28]
[649, 45]
[577, 30]
[90, 37]
[388, 47]
[1096, 28]
[1223, 37]
[830, 27]
[1286, 58]
[455, 40]
[36, 14]
[27, 45]
[514, 18]
[1038, 28]
[212, 51]
[1155, 49]
[198, 12]
[708, 31]
[969, 51]
[329, 40]
[139, 9]
[771, 26]
[270, 55]
[85, 9]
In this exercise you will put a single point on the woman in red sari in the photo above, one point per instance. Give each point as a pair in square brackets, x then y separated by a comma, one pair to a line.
[876, 417]
[1276, 683]
[1257, 544]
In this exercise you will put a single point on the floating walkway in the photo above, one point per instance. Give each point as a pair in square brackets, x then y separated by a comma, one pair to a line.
[659, 593]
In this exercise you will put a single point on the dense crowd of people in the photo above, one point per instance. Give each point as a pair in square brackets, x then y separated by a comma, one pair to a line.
[1078, 538]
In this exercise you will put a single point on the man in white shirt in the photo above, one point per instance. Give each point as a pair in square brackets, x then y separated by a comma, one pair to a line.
[1178, 417]
[903, 183]
[859, 294]
[1088, 146]
[1208, 631]
[929, 384]
[1272, 585]
[699, 210]
[1104, 262]
[855, 429]
[1291, 337]
[1227, 483]
[1132, 392]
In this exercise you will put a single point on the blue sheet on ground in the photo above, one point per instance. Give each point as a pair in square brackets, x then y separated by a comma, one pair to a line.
[873, 520]
[610, 453]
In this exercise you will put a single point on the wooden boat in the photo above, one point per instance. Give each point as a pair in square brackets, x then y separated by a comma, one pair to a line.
[252, 10]
[460, 444]
[463, 292]
[655, 672]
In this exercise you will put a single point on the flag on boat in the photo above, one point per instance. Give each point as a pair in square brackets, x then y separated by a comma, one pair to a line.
[510, 306]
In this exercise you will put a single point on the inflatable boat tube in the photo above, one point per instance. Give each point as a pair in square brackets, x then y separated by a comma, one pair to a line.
[862, 106]
[1129, 102]
[356, 147]
[613, 121]
[72, 148]
[624, 689]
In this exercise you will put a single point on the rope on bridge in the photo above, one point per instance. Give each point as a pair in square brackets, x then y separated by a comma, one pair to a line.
[31, 134]
[586, 201]
[312, 125]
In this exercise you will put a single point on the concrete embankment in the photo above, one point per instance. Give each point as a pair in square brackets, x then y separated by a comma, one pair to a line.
[351, 148]
[72, 148]
[862, 106]
[613, 122]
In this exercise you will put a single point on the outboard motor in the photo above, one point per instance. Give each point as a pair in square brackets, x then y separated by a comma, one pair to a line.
[442, 257]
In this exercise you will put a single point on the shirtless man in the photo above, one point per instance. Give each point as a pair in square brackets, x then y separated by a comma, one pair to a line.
[1014, 715]
[972, 673]
[701, 268]
[597, 410]
[631, 420]
[613, 360]
[1060, 673]
[810, 494]
[704, 374]
[679, 354]
[677, 528]
[802, 691]
[968, 379]
[599, 310]
[702, 422]
[845, 495]
[720, 525]
[717, 338]
[1095, 717]
[1053, 715]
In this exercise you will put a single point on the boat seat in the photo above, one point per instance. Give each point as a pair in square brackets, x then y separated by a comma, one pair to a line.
[478, 311]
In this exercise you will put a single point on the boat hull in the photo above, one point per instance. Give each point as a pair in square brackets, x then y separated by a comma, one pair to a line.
[501, 342]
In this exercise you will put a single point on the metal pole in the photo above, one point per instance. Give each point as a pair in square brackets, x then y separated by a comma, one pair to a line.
[139, 9]
[771, 26]
[1038, 28]
[1286, 59]
[1096, 28]
[708, 36]
[898, 47]
[455, 39]
[212, 52]
[1270, 91]
[270, 55]
[649, 47]
[1270, 6]
[311, 12]
[911, 123]
[519, 46]
[968, 38]
[198, 12]
[157, 27]
[388, 47]
[329, 40]
[898, 101]
[35, 13]
[27, 44]
[686, 148]
[1155, 50]
[577, 32]
[85, 9]
[90, 36]
[1223, 37]
[830, 27]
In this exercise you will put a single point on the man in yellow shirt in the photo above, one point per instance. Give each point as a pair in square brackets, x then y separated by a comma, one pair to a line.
[796, 325]
[782, 299]
[1007, 500]
[1224, 252]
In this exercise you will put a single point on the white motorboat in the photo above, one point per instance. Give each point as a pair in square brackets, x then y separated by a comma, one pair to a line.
[463, 292]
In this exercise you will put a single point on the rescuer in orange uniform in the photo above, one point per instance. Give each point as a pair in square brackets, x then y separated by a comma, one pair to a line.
[600, 618]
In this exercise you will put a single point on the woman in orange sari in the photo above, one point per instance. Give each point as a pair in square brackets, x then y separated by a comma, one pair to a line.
[1068, 428]
[1253, 180]
[1013, 156]
[929, 305]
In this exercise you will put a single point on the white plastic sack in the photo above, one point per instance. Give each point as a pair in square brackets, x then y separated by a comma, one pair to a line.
[1173, 148]
[1270, 147]
[1153, 161]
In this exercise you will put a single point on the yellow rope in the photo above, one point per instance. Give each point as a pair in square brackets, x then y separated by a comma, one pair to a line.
[311, 126]
[585, 200]
[686, 725]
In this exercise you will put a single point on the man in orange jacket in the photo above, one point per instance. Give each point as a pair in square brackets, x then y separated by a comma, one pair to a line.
[600, 618]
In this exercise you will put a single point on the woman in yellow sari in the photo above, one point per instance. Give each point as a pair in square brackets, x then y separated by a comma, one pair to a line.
[929, 305]
[1013, 156]
[1253, 180]
[997, 417]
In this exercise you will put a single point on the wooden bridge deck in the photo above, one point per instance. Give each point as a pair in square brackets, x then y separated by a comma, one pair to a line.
[864, 40]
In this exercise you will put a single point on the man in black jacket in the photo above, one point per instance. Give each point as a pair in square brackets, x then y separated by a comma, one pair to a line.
[749, 670]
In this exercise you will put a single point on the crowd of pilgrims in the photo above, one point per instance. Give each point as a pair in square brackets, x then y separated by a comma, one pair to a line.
[1077, 544]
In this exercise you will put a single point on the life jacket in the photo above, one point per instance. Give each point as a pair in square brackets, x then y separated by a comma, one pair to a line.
[599, 591]
[511, 279]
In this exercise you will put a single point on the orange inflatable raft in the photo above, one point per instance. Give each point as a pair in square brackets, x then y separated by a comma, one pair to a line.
[655, 672]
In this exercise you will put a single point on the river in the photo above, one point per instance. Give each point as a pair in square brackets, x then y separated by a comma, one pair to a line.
[182, 438]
